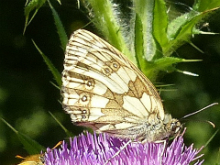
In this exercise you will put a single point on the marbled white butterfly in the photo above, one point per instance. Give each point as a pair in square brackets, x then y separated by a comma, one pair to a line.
[103, 90]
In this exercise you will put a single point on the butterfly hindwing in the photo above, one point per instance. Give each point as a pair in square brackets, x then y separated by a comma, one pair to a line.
[102, 89]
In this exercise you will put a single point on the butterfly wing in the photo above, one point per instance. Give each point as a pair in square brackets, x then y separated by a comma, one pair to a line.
[32, 160]
[102, 89]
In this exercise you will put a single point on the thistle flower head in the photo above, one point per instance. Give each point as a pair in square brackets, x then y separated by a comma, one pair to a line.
[101, 149]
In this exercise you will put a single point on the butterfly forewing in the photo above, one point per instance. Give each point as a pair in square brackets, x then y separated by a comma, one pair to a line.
[103, 90]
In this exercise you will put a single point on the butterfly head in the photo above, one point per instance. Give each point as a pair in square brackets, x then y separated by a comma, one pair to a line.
[172, 126]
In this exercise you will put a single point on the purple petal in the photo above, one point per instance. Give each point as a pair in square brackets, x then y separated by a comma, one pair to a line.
[99, 149]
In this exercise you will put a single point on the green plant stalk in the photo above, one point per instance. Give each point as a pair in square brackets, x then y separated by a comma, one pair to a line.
[106, 18]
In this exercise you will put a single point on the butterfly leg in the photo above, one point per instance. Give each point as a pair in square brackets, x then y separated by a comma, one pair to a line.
[118, 152]
[164, 146]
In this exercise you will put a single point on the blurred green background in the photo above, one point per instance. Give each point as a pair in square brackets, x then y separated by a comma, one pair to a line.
[27, 93]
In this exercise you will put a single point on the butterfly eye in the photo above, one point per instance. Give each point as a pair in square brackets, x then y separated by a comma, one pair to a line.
[84, 111]
[175, 126]
[84, 98]
[107, 70]
[115, 66]
[84, 114]
[89, 84]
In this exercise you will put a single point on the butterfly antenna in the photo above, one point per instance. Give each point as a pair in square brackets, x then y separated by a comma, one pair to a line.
[57, 145]
[191, 114]
[211, 123]
[202, 121]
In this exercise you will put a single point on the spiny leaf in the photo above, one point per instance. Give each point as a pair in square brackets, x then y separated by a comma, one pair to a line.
[68, 133]
[138, 43]
[160, 23]
[50, 65]
[30, 145]
[60, 29]
[29, 7]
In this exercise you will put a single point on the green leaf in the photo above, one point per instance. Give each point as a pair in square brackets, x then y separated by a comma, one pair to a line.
[29, 7]
[181, 29]
[164, 64]
[139, 43]
[59, 2]
[203, 5]
[55, 72]
[144, 10]
[176, 25]
[68, 133]
[211, 138]
[60, 29]
[30, 145]
[160, 23]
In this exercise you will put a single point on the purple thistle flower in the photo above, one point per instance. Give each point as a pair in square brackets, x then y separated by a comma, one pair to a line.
[93, 149]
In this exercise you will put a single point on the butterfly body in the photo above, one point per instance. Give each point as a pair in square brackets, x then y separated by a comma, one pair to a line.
[37, 159]
[103, 90]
